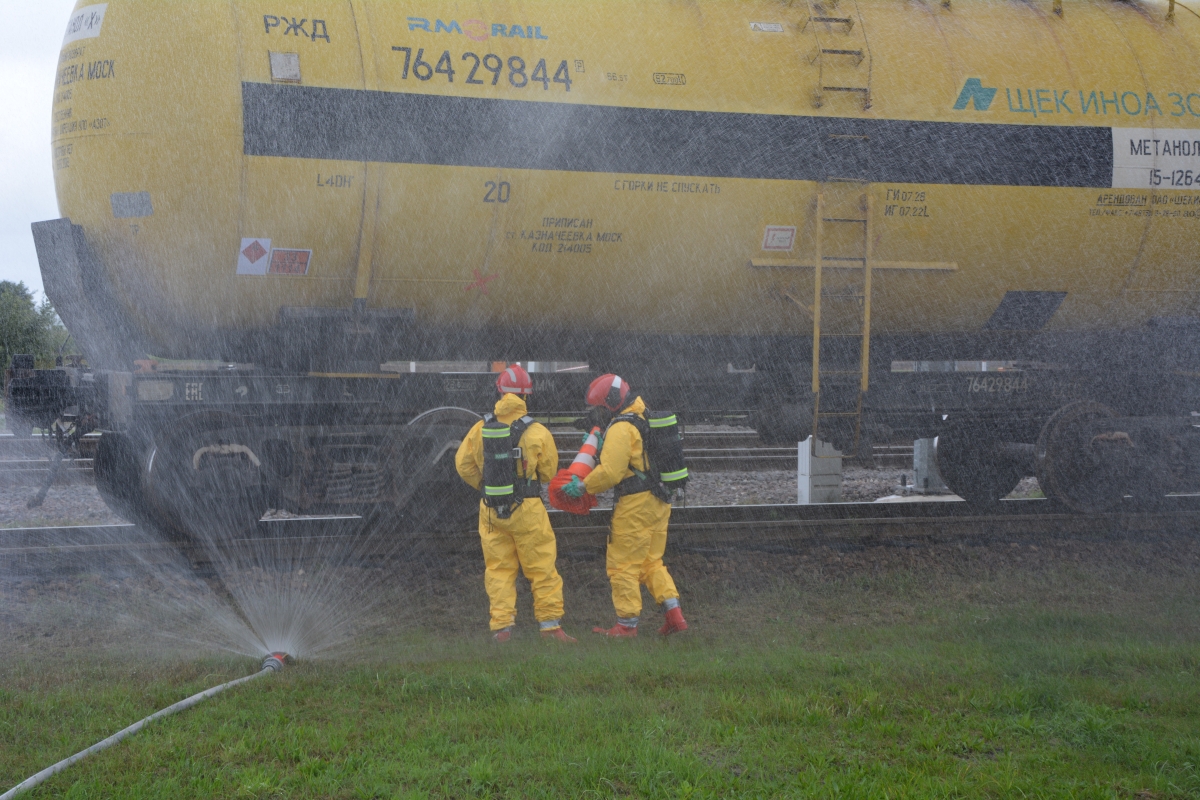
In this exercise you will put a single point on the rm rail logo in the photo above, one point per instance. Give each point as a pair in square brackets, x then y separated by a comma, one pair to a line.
[476, 29]
[974, 91]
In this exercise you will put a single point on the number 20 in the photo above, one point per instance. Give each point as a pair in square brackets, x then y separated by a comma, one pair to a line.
[497, 192]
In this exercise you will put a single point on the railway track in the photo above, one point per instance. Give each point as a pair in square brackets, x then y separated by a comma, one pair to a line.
[26, 462]
[708, 528]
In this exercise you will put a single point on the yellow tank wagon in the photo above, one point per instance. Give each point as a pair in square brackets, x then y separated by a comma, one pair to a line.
[508, 163]
[827, 193]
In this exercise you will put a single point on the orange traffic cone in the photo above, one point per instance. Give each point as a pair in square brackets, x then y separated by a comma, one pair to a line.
[580, 468]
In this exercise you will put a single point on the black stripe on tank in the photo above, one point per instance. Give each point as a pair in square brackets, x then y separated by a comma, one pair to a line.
[398, 128]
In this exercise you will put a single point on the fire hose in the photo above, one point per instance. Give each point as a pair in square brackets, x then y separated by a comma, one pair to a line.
[271, 664]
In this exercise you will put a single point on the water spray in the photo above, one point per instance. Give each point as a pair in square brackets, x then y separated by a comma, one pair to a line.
[274, 662]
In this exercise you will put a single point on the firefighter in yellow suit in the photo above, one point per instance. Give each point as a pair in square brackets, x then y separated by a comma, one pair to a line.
[639, 520]
[525, 539]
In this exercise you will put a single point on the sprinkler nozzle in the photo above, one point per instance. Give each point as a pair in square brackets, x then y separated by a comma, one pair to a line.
[275, 661]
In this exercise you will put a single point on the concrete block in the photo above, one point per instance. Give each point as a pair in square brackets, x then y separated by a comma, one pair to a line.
[926, 479]
[819, 473]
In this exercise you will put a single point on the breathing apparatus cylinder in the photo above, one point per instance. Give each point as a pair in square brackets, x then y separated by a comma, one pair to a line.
[665, 448]
[499, 467]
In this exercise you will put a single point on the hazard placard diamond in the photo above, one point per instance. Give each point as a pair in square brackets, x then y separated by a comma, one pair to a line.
[252, 256]
[254, 252]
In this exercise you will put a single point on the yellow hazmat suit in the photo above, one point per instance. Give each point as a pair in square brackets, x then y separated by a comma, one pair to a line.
[525, 539]
[639, 522]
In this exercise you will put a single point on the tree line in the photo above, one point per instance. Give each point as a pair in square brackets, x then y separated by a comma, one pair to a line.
[27, 326]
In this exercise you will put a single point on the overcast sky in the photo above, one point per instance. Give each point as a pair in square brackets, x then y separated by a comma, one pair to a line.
[33, 32]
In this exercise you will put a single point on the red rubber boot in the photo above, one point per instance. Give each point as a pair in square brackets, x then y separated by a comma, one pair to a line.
[617, 631]
[675, 622]
[558, 634]
[501, 636]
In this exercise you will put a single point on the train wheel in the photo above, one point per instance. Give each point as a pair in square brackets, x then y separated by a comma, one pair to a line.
[783, 424]
[204, 477]
[428, 494]
[1073, 467]
[1150, 489]
[118, 470]
[970, 463]
[20, 427]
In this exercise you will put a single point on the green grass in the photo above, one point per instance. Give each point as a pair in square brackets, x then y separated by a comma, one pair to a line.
[961, 700]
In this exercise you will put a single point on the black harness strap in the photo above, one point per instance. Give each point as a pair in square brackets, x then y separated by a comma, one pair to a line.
[645, 479]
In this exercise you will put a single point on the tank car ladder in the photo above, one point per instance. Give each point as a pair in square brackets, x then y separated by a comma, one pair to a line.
[841, 311]
[841, 52]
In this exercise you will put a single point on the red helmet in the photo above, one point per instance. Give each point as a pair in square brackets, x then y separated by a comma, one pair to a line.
[609, 391]
[514, 380]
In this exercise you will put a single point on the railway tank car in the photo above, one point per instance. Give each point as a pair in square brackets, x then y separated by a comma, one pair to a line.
[850, 218]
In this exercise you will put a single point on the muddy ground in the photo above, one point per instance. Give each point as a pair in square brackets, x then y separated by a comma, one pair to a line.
[75, 602]
[429, 593]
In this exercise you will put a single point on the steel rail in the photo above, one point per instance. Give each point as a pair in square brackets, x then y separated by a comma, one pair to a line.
[29, 470]
[567, 440]
[704, 527]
